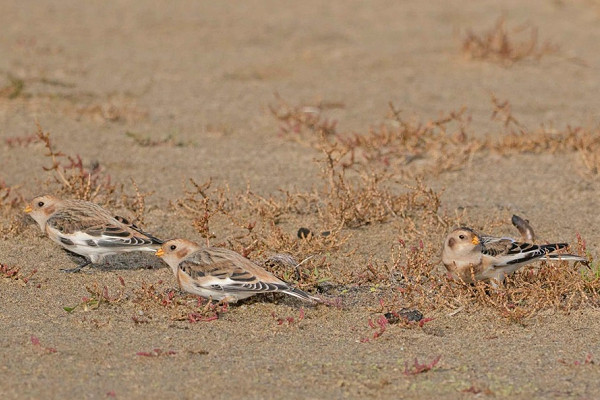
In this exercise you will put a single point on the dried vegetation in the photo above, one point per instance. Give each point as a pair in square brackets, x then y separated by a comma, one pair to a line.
[69, 178]
[382, 162]
[506, 47]
[365, 180]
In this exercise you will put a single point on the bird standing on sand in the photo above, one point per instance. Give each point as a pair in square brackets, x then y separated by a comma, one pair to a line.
[87, 229]
[468, 255]
[221, 274]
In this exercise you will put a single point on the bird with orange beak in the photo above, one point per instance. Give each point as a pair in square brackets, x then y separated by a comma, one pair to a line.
[87, 229]
[469, 256]
[221, 274]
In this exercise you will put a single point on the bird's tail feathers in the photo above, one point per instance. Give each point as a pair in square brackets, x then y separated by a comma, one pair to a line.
[302, 295]
[549, 248]
[154, 239]
[566, 257]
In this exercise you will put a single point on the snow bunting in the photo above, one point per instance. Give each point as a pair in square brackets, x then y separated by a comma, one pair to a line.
[221, 274]
[493, 258]
[87, 229]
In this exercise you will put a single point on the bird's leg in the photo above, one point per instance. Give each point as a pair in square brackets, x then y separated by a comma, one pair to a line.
[229, 299]
[497, 281]
[209, 306]
[224, 304]
[85, 263]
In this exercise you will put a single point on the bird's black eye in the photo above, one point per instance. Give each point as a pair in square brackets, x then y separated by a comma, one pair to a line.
[40, 204]
[461, 237]
[173, 247]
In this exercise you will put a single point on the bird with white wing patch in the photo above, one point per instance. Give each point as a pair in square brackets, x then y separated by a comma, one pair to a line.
[221, 274]
[87, 229]
[470, 256]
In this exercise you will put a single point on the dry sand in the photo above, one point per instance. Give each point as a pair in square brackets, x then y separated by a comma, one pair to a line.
[204, 73]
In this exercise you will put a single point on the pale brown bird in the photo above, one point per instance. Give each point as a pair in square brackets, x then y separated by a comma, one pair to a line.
[87, 229]
[221, 274]
[493, 258]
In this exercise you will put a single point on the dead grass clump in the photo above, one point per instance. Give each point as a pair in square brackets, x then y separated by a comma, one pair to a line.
[116, 109]
[98, 295]
[147, 141]
[307, 274]
[179, 308]
[304, 123]
[20, 141]
[10, 198]
[584, 142]
[250, 218]
[500, 46]
[541, 141]
[136, 203]
[364, 201]
[407, 148]
[71, 179]
[369, 201]
[403, 147]
[11, 202]
[355, 194]
[518, 139]
[15, 274]
[252, 224]
[204, 202]
[277, 208]
[587, 145]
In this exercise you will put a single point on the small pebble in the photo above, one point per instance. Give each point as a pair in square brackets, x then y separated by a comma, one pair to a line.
[409, 315]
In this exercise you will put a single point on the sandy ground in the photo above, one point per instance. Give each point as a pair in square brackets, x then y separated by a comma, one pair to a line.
[204, 73]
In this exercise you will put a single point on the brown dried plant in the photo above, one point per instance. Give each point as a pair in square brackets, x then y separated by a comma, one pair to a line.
[14, 273]
[518, 139]
[10, 199]
[408, 148]
[503, 112]
[70, 179]
[500, 46]
[303, 123]
[204, 202]
[136, 203]
[11, 202]
[403, 147]
[584, 142]
[352, 202]
[179, 307]
[113, 110]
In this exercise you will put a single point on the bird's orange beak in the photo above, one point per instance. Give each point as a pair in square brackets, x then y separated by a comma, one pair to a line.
[475, 240]
[28, 209]
[159, 253]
